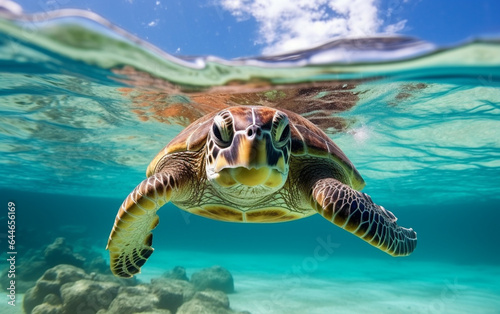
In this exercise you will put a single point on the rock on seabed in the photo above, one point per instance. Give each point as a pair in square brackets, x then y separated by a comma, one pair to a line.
[67, 289]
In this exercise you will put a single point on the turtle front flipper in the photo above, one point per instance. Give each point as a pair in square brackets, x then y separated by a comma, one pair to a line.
[355, 212]
[130, 240]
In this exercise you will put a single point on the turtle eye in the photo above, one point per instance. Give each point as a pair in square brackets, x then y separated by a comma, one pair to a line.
[281, 129]
[222, 128]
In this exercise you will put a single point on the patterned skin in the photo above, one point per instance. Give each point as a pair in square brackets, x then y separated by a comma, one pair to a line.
[251, 164]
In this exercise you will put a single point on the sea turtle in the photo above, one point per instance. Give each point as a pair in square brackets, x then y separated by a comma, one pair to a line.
[251, 164]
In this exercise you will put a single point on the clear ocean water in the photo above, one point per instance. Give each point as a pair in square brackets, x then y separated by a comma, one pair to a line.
[84, 107]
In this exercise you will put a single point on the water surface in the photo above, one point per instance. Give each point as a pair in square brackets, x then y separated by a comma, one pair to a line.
[84, 107]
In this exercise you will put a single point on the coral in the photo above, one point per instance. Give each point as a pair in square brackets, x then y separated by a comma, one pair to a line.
[60, 252]
[66, 289]
[46, 308]
[35, 262]
[97, 265]
[136, 299]
[207, 302]
[178, 272]
[172, 293]
[50, 284]
[87, 296]
[216, 278]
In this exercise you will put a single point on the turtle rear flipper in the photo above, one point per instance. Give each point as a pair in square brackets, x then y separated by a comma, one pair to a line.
[355, 212]
[130, 240]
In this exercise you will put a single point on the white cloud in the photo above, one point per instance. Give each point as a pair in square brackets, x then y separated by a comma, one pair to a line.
[287, 25]
[395, 28]
[153, 22]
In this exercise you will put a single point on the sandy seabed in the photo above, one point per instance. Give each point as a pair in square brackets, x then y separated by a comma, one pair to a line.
[292, 284]
[5, 308]
[267, 283]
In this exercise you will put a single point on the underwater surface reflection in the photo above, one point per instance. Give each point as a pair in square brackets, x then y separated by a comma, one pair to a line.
[85, 107]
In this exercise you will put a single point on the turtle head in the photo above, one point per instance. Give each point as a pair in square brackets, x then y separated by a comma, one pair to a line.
[248, 149]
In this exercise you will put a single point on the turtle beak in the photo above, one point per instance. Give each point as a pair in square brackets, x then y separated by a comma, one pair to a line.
[252, 160]
[252, 150]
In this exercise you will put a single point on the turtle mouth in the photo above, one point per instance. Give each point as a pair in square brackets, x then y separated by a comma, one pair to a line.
[265, 176]
[251, 161]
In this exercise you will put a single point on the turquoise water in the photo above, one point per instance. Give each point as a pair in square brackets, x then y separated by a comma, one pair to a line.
[84, 107]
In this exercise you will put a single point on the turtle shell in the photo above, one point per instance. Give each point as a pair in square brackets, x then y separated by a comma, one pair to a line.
[307, 139]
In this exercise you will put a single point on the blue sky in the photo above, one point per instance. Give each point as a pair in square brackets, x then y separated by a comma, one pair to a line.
[236, 28]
